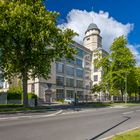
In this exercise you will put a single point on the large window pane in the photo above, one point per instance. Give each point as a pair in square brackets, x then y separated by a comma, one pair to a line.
[79, 73]
[59, 94]
[59, 81]
[95, 77]
[80, 52]
[59, 68]
[70, 93]
[70, 82]
[70, 71]
[79, 62]
[79, 84]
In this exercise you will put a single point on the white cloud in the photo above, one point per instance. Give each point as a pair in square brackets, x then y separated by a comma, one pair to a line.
[135, 52]
[110, 28]
[79, 21]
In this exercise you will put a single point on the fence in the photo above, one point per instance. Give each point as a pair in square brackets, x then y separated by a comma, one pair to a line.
[108, 98]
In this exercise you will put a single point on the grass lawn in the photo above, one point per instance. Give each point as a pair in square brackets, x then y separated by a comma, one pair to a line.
[125, 104]
[15, 108]
[106, 104]
[132, 135]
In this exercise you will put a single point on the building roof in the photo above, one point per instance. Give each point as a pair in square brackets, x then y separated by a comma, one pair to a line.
[92, 26]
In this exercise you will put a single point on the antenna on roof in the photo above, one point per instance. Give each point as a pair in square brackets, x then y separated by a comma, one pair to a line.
[92, 14]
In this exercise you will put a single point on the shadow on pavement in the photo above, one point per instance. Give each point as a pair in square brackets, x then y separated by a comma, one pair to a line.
[127, 118]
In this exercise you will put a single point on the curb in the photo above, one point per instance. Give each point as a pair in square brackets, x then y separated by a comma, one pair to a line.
[109, 137]
[49, 115]
[28, 111]
[33, 117]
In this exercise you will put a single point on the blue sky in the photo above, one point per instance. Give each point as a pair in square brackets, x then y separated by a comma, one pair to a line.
[122, 11]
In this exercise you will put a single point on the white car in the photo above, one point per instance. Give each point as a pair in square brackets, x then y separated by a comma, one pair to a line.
[69, 100]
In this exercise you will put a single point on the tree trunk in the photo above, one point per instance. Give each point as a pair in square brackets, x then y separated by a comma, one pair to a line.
[24, 84]
[139, 93]
[122, 95]
[135, 96]
[130, 97]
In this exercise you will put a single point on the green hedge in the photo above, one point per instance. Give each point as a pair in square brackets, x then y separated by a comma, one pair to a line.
[11, 106]
[18, 96]
[32, 96]
[14, 96]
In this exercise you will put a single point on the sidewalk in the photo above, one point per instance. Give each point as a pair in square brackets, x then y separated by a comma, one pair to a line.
[55, 106]
[16, 110]
[29, 115]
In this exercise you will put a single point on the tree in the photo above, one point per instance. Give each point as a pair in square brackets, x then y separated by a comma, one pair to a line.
[30, 40]
[116, 65]
[133, 82]
[96, 88]
[138, 80]
[16, 88]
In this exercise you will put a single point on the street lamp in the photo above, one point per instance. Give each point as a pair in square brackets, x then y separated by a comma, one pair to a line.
[126, 87]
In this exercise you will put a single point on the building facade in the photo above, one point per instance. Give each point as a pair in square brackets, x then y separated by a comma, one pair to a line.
[68, 77]
[72, 77]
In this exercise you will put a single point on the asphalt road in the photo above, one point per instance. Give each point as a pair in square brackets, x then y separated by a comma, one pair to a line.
[78, 125]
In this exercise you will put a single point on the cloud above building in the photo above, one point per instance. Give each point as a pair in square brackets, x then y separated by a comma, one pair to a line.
[79, 21]
[134, 48]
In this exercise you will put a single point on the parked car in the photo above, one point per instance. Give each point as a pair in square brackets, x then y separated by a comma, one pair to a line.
[69, 100]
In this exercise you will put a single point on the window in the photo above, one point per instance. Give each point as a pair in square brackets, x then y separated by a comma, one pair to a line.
[95, 77]
[87, 57]
[87, 75]
[87, 64]
[80, 52]
[70, 93]
[70, 82]
[59, 81]
[87, 86]
[59, 68]
[59, 94]
[70, 71]
[79, 62]
[79, 73]
[79, 84]
[95, 69]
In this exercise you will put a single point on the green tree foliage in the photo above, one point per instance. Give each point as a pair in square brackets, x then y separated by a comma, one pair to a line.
[96, 88]
[138, 80]
[30, 40]
[133, 82]
[16, 88]
[116, 65]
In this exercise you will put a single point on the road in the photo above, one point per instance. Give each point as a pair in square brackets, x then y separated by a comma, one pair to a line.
[78, 125]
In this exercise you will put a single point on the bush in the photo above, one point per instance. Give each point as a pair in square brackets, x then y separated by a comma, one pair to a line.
[32, 96]
[14, 96]
[60, 100]
[10, 106]
[15, 93]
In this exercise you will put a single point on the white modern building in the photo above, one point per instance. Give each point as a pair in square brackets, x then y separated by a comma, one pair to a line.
[69, 78]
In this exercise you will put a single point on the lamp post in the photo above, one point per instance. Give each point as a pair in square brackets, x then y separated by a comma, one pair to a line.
[126, 87]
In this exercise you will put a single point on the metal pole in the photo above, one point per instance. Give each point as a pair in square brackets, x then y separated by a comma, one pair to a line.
[126, 87]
